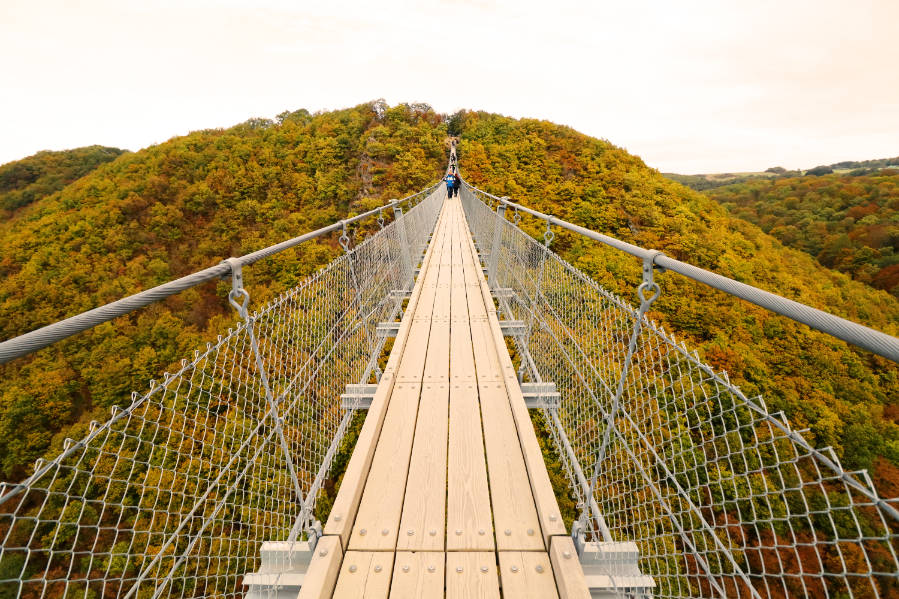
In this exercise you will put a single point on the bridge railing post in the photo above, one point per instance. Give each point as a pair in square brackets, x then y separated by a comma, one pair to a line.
[493, 259]
[404, 242]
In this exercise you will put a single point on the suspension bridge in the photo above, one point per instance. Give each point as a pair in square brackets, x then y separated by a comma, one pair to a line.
[207, 484]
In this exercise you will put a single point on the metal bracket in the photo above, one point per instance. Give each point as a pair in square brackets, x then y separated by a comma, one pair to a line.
[541, 395]
[513, 328]
[387, 329]
[610, 567]
[503, 293]
[400, 294]
[358, 397]
[578, 536]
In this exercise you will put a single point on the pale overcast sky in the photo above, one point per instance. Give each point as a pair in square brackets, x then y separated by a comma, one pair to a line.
[690, 86]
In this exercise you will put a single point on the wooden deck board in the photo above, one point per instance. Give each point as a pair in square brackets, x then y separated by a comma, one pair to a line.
[364, 575]
[417, 575]
[471, 575]
[527, 575]
[423, 524]
[514, 514]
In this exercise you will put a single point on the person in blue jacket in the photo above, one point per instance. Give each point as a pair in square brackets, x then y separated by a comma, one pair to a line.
[451, 185]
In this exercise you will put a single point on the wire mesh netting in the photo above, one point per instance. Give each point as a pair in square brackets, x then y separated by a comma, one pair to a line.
[174, 494]
[722, 498]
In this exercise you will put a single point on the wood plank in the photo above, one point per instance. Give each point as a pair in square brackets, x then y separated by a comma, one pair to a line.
[469, 525]
[423, 523]
[323, 569]
[486, 356]
[436, 367]
[364, 575]
[378, 518]
[418, 575]
[567, 569]
[471, 575]
[527, 575]
[514, 513]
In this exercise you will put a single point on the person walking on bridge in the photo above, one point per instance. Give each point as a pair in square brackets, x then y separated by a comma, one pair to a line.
[451, 183]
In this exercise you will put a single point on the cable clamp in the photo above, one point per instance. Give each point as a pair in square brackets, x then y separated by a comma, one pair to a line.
[649, 284]
[238, 297]
[548, 236]
[344, 240]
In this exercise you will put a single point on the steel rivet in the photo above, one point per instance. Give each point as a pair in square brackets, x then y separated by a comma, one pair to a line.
[378, 568]
[484, 568]
[530, 532]
[323, 552]
[362, 532]
[337, 518]
[410, 532]
[482, 532]
[384, 532]
[567, 555]
[405, 568]
[552, 518]
[508, 532]
[514, 568]
[433, 533]
[353, 568]
[431, 568]
[540, 569]
[458, 531]
[459, 569]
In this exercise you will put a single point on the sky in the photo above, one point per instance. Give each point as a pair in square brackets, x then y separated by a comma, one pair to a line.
[690, 86]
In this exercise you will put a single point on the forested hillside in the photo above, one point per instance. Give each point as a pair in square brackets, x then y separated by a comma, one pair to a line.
[183, 205]
[29, 179]
[849, 223]
[847, 397]
[170, 210]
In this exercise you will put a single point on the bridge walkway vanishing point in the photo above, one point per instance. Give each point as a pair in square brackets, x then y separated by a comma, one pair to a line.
[447, 480]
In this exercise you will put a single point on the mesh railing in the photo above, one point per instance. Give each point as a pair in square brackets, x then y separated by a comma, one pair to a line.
[174, 495]
[722, 498]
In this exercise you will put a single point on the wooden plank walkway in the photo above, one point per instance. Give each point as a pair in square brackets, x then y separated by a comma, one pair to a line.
[446, 494]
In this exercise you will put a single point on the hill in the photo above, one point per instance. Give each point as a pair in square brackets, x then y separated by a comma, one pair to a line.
[848, 398]
[24, 181]
[849, 223]
[186, 204]
[704, 182]
[164, 212]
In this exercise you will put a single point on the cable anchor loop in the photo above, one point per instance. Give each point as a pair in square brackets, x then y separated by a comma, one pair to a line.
[344, 240]
[648, 285]
[238, 297]
[381, 218]
[548, 235]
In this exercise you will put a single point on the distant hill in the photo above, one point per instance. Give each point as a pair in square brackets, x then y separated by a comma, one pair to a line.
[24, 181]
[849, 222]
[852, 168]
